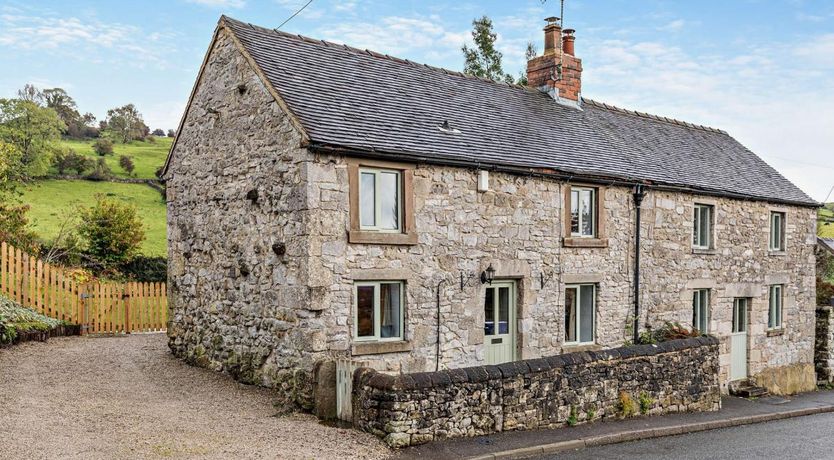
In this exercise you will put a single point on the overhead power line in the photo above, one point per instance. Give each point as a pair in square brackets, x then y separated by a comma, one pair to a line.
[295, 14]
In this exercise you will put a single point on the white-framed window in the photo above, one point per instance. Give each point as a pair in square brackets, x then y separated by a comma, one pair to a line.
[700, 310]
[583, 218]
[580, 313]
[378, 315]
[380, 200]
[777, 231]
[702, 226]
[774, 311]
[740, 314]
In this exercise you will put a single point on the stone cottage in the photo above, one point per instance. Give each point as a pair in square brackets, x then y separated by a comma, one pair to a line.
[329, 202]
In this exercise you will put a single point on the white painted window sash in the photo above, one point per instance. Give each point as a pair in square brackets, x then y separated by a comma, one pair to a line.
[774, 313]
[576, 194]
[702, 237]
[377, 337]
[377, 173]
[577, 320]
[777, 231]
[700, 310]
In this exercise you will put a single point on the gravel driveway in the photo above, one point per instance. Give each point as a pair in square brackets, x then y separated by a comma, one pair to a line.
[127, 397]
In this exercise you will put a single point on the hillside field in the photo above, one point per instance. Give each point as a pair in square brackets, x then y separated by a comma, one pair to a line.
[147, 157]
[53, 201]
[826, 227]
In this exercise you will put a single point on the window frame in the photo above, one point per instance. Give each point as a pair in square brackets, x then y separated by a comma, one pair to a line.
[782, 240]
[774, 307]
[377, 337]
[697, 210]
[699, 304]
[594, 218]
[406, 235]
[578, 325]
[741, 325]
[377, 173]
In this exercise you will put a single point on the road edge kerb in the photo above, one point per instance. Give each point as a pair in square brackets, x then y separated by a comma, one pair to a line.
[648, 433]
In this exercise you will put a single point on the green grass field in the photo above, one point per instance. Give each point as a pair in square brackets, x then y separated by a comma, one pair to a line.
[147, 157]
[53, 201]
[827, 214]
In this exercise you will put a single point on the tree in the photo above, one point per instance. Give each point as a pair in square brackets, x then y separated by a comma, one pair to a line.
[30, 93]
[14, 224]
[529, 53]
[111, 231]
[159, 132]
[67, 160]
[103, 146]
[484, 60]
[171, 133]
[126, 163]
[126, 123]
[32, 129]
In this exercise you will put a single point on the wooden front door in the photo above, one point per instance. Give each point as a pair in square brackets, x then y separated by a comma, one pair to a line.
[499, 322]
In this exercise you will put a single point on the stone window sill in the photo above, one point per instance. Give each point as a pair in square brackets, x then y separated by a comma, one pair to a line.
[585, 242]
[365, 237]
[775, 332]
[777, 253]
[570, 348]
[704, 252]
[376, 348]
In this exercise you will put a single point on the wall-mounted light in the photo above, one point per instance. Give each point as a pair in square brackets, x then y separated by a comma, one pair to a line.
[488, 275]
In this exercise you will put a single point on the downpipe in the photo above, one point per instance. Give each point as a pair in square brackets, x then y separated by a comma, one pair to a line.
[639, 194]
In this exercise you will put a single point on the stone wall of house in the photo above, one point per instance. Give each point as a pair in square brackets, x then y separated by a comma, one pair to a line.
[236, 190]
[517, 227]
[552, 392]
[261, 272]
[740, 265]
[824, 347]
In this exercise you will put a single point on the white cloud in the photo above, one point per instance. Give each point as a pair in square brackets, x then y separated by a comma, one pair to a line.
[673, 26]
[398, 36]
[82, 39]
[220, 3]
[781, 112]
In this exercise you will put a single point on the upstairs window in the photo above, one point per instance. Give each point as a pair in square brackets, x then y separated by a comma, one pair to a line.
[774, 311]
[380, 202]
[379, 311]
[777, 231]
[702, 226]
[583, 218]
[700, 310]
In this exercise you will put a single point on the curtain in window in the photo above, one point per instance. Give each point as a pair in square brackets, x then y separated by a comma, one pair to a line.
[586, 313]
[365, 311]
[367, 200]
[570, 315]
[389, 310]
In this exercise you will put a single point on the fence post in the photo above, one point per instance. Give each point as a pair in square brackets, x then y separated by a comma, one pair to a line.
[126, 299]
[84, 313]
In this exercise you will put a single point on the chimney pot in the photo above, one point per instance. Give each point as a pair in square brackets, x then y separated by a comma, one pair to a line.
[567, 41]
[552, 35]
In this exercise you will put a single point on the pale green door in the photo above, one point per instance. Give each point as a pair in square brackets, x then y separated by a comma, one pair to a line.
[499, 322]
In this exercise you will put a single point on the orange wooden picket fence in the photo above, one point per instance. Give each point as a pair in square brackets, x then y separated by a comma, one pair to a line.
[99, 307]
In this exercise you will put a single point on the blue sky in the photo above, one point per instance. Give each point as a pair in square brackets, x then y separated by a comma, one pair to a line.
[762, 70]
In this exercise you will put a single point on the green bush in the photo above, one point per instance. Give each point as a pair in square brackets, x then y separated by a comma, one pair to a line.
[103, 146]
[126, 162]
[111, 230]
[67, 160]
[102, 171]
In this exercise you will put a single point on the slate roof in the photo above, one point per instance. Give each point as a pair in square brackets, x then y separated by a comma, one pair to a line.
[360, 100]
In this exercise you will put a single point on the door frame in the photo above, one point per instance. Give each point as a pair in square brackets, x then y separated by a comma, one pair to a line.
[747, 310]
[513, 318]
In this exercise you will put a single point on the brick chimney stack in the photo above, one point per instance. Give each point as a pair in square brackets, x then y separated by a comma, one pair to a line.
[557, 72]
